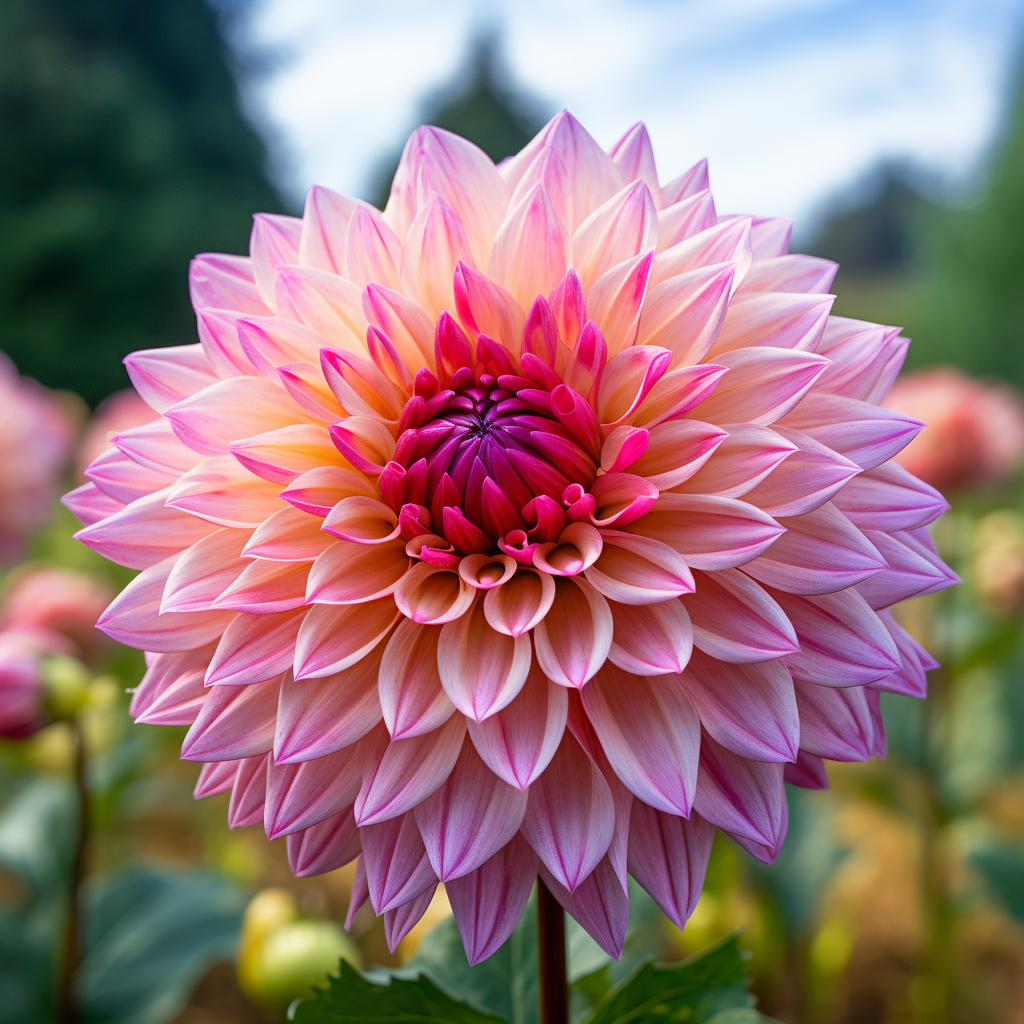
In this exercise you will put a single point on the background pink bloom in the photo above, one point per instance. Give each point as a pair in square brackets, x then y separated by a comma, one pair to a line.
[21, 679]
[59, 601]
[540, 524]
[974, 433]
[35, 437]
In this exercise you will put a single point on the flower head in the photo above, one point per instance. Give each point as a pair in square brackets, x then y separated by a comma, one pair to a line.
[35, 439]
[975, 432]
[540, 524]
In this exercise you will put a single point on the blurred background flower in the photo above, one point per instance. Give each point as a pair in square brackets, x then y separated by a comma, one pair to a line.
[893, 134]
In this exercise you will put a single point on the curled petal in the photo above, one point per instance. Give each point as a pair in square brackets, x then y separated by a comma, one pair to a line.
[639, 570]
[487, 571]
[577, 548]
[520, 603]
[433, 594]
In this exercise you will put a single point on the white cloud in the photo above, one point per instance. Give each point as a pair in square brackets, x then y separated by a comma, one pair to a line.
[789, 99]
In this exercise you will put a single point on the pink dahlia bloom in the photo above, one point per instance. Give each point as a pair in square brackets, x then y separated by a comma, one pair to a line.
[21, 679]
[35, 439]
[975, 432]
[540, 524]
[59, 601]
[117, 412]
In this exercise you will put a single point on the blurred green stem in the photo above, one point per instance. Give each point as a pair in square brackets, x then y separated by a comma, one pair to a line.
[554, 981]
[67, 996]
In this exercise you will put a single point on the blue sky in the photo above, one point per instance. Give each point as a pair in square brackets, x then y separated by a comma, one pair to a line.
[791, 100]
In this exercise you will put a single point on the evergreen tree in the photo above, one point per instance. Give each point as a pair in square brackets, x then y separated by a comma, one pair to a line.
[479, 105]
[124, 153]
[971, 310]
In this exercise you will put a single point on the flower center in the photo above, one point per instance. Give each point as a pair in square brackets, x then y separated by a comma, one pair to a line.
[499, 452]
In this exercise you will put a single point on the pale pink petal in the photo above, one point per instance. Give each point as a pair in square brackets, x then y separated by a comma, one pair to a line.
[481, 669]
[573, 639]
[264, 588]
[430, 594]
[488, 902]
[155, 445]
[222, 491]
[627, 379]
[889, 498]
[324, 229]
[283, 454]
[843, 642]
[235, 722]
[123, 479]
[668, 856]
[325, 846]
[223, 282]
[820, 552]
[397, 866]
[520, 603]
[398, 774]
[750, 709]
[412, 698]
[762, 385]
[319, 490]
[769, 236]
[676, 450]
[598, 903]
[689, 183]
[639, 570]
[570, 815]
[808, 274]
[166, 376]
[204, 571]
[255, 647]
[745, 457]
[88, 504]
[333, 637]
[215, 777]
[274, 240]
[316, 717]
[273, 342]
[835, 722]
[469, 818]
[709, 532]
[435, 245]
[651, 733]
[726, 242]
[289, 535]
[167, 672]
[531, 249]
[634, 157]
[308, 792]
[407, 326]
[651, 640]
[616, 299]
[324, 302]
[247, 792]
[351, 573]
[742, 797]
[685, 218]
[623, 227]
[776, 320]
[518, 742]
[734, 620]
[909, 570]
[373, 250]
[484, 307]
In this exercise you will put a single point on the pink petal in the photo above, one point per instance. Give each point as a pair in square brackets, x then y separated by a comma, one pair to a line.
[489, 901]
[255, 647]
[350, 573]
[319, 490]
[889, 498]
[598, 903]
[215, 777]
[481, 669]
[639, 570]
[835, 722]
[134, 618]
[123, 479]
[518, 742]
[222, 491]
[688, 217]
[324, 229]
[89, 505]
[325, 846]
[304, 794]
[272, 342]
[156, 446]
[776, 320]
[573, 639]
[435, 245]
[247, 792]
[290, 535]
[651, 640]
[726, 242]
[843, 642]
[676, 450]
[762, 385]
[623, 227]
[634, 157]
[397, 866]
[650, 731]
[236, 722]
[411, 696]
[750, 709]
[616, 299]
[324, 302]
[274, 240]
[283, 454]
[709, 532]
[166, 376]
[407, 326]
[742, 797]
[204, 571]
[333, 637]
[167, 673]
[668, 856]
[627, 379]
[910, 679]
[400, 921]
[486, 308]
[909, 570]
[472, 816]
[807, 274]
[520, 603]
[740, 462]
[734, 620]
[432, 594]
[531, 249]
[570, 816]
[684, 314]
[807, 773]
[689, 183]
[223, 282]
[316, 717]
[373, 250]
[820, 552]
[398, 774]
[769, 236]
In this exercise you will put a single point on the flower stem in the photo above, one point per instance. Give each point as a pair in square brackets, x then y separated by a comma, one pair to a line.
[67, 996]
[554, 980]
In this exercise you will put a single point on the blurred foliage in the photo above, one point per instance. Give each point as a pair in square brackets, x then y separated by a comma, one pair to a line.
[480, 104]
[125, 153]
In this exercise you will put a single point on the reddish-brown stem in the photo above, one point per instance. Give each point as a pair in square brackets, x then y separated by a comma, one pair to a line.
[554, 980]
[67, 996]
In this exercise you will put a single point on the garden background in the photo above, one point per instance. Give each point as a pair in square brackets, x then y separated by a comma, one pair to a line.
[136, 135]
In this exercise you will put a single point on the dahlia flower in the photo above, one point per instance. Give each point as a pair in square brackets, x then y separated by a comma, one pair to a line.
[540, 524]
[975, 432]
[35, 439]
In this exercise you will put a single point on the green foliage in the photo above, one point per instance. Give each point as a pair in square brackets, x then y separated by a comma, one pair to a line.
[351, 997]
[1003, 868]
[125, 153]
[707, 989]
[149, 935]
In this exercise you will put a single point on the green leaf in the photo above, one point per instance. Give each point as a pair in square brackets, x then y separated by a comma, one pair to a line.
[694, 991]
[1003, 867]
[741, 1015]
[150, 935]
[353, 998]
